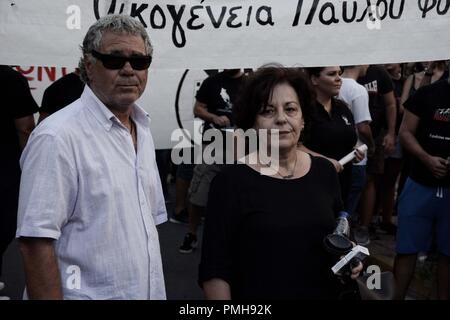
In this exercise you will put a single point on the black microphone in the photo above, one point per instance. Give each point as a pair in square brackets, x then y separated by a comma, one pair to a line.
[338, 242]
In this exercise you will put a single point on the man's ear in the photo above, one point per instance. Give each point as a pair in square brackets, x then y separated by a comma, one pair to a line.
[88, 65]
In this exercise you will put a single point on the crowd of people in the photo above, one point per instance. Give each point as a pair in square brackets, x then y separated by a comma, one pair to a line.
[86, 188]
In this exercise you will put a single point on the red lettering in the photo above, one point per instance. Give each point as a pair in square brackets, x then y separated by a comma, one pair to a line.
[440, 117]
[51, 73]
[39, 73]
[25, 72]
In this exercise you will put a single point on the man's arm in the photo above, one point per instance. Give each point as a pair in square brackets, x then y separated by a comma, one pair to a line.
[437, 165]
[42, 275]
[24, 126]
[365, 134]
[391, 117]
[201, 111]
[216, 289]
[409, 83]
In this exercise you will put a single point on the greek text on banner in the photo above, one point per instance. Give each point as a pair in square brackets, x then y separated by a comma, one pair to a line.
[206, 34]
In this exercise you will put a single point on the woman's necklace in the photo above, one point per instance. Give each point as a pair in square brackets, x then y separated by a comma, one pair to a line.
[291, 175]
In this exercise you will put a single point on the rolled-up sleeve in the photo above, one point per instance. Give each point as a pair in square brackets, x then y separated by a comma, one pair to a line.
[48, 187]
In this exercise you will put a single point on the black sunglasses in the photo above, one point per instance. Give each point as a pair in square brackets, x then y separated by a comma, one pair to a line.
[114, 62]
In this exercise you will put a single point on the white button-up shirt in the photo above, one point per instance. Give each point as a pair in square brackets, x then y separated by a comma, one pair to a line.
[84, 185]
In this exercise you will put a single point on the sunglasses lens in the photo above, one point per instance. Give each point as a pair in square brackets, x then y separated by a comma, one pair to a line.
[140, 63]
[112, 62]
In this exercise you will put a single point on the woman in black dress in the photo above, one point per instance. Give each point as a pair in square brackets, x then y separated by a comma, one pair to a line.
[265, 226]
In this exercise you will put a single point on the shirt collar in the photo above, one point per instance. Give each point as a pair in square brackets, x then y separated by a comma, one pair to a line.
[141, 116]
[105, 116]
[333, 110]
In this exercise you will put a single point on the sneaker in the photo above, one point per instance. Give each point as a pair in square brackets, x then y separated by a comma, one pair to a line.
[361, 235]
[180, 218]
[2, 286]
[189, 243]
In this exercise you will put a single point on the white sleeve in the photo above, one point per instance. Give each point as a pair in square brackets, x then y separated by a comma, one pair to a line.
[159, 211]
[160, 214]
[48, 187]
[360, 107]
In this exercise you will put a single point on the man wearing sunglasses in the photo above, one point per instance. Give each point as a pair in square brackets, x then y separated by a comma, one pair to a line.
[90, 193]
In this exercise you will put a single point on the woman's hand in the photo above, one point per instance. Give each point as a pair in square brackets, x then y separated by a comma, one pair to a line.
[359, 155]
[356, 270]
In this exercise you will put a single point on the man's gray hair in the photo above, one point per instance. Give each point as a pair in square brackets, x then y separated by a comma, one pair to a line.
[113, 23]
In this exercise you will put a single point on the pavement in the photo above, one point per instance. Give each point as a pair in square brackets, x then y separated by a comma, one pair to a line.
[382, 253]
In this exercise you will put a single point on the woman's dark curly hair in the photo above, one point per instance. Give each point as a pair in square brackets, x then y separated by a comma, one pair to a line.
[257, 90]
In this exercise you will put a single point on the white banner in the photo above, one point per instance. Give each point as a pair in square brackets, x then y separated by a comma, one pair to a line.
[190, 36]
[207, 34]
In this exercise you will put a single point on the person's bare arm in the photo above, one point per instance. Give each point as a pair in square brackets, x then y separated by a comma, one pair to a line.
[436, 165]
[409, 83]
[24, 126]
[365, 134]
[216, 289]
[42, 275]
[201, 111]
[391, 117]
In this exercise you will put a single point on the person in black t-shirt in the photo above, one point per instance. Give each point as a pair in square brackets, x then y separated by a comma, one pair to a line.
[382, 107]
[424, 206]
[16, 124]
[264, 228]
[214, 99]
[423, 73]
[61, 93]
[214, 105]
[393, 162]
[332, 133]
